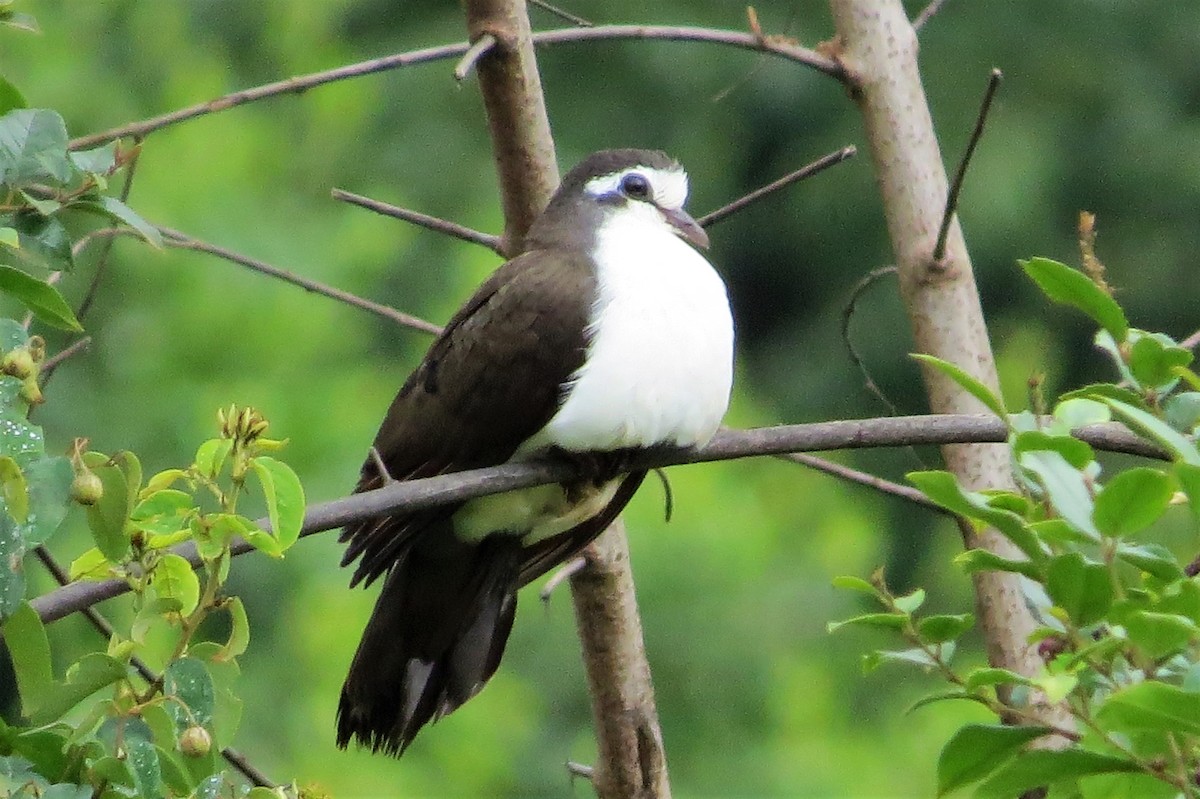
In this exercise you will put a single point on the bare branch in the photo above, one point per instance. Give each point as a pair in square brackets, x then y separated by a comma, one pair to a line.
[86, 240]
[433, 223]
[821, 164]
[467, 63]
[868, 280]
[175, 238]
[55, 360]
[301, 83]
[939, 249]
[560, 13]
[1191, 342]
[906, 493]
[927, 12]
[728, 444]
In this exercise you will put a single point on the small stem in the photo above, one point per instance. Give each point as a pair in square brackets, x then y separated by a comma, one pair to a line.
[424, 220]
[476, 51]
[821, 164]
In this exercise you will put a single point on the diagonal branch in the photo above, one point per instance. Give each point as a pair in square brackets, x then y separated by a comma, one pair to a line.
[302, 83]
[821, 164]
[728, 444]
[175, 238]
[434, 223]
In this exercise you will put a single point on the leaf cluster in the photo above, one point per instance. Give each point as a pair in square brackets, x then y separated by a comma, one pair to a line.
[1119, 611]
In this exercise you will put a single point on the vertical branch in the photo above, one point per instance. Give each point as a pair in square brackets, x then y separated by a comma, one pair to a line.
[516, 111]
[879, 49]
[625, 717]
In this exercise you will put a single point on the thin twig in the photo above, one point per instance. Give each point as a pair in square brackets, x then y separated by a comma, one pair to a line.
[561, 575]
[580, 770]
[301, 83]
[928, 11]
[859, 289]
[725, 211]
[86, 240]
[728, 444]
[1191, 342]
[55, 360]
[476, 51]
[179, 240]
[105, 628]
[907, 493]
[561, 14]
[434, 223]
[939, 249]
[106, 248]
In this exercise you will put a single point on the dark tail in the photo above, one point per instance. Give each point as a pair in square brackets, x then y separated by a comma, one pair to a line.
[435, 637]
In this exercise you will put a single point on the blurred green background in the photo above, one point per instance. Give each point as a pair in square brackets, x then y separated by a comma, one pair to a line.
[1100, 110]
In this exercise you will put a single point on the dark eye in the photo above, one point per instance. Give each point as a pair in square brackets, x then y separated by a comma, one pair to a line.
[635, 186]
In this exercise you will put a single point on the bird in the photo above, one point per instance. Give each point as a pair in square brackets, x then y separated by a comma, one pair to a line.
[610, 334]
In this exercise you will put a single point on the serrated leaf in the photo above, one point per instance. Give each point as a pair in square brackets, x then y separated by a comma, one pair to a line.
[30, 649]
[1036, 767]
[966, 382]
[39, 297]
[285, 498]
[976, 750]
[1063, 284]
[1153, 428]
[1132, 501]
[944, 627]
[33, 147]
[1080, 588]
[174, 578]
[87, 676]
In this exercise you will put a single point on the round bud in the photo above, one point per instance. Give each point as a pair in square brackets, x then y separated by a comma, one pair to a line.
[18, 363]
[195, 741]
[86, 488]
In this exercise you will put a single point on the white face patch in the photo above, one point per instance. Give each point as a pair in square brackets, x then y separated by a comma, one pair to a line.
[668, 187]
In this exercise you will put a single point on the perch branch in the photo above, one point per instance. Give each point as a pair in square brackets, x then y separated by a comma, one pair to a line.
[434, 223]
[728, 444]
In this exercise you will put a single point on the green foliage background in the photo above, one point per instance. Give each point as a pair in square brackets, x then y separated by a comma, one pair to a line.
[1100, 110]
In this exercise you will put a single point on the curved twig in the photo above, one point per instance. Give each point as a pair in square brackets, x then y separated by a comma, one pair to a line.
[434, 223]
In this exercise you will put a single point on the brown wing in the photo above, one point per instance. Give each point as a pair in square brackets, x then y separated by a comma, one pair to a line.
[490, 381]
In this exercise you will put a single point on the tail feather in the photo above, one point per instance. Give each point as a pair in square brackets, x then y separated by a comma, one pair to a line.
[435, 637]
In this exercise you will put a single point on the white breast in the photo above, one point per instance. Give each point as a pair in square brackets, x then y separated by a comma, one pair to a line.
[659, 367]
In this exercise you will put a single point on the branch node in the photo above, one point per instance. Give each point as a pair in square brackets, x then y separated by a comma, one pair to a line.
[476, 51]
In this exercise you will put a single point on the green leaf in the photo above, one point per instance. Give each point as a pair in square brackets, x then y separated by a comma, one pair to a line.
[1182, 411]
[1063, 284]
[1153, 360]
[142, 758]
[976, 750]
[12, 566]
[239, 634]
[211, 455]
[21, 21]
[1151, 707]
[1159, 634]
[285, 498]
[910, 602]
[44, 240]
[14, 490]
[91, 673]
[1064, 486]
[941, 628]
[188, 680]
[913, 657]
[977, 560]
[1154, 559]
[1100, 391]
[174, 775]
[1132, 501]
[943, 488]
[987, 675]
[174, 578]
[163, 480]
[227, 713]
[26, 639]
[39, 297]
[1077, 453]
[1081, 588]
[107, 518]
[858, 584]
[49, 482]
[10, 97]
[9, 236]
[33, 148]
[890, 621]
[1156, 430]
[1056, 687]
[966, 382]
[117, 211]
[1079, 412]
[163, 511]
[1188, 476]
[1036, 767]
[91, 565]
[98, 160]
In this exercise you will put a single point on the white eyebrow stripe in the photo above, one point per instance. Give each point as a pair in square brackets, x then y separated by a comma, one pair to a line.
[670, 186]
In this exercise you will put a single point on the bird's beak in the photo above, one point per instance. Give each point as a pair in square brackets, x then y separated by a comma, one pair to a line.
[686, 227]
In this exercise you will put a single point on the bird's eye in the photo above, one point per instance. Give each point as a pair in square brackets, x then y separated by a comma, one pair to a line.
[635, 186]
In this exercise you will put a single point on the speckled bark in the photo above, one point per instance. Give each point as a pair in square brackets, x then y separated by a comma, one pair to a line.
[879, 50]
[606, 609]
